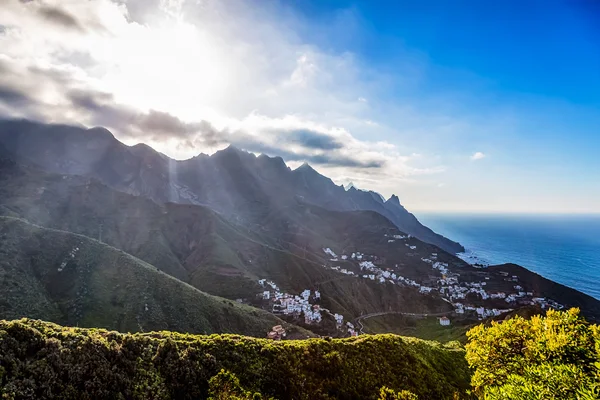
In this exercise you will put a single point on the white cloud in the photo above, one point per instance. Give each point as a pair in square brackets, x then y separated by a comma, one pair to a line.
[477, 156]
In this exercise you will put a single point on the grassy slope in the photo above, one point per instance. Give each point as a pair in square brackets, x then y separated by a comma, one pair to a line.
[100, 286]
[423, 328]
[45, 360]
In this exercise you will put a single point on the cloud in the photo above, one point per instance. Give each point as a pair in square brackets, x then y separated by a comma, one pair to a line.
[12, 96]
[59, 16]
[202, 77]
[313, 140]
[477, 156]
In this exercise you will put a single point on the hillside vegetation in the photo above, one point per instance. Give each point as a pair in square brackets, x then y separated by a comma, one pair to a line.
[42, 360]
[74, 280]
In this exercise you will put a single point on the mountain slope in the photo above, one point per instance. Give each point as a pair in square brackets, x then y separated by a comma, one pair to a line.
[200, 247]
[237, 184]
[71, 279]
[197, 246]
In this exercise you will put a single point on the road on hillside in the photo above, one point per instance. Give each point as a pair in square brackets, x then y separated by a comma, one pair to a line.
[365, 316]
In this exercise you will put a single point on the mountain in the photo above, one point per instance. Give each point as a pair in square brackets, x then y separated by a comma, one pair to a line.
[72, 279]
[198, 246]
[242, 187]
[247, 232]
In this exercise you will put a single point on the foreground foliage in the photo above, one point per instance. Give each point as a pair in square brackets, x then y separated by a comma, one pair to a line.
[552, 357]
[42, 360]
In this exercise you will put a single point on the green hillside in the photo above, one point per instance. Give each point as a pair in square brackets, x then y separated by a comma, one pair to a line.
[71, 279]
[198, 246]
[42, 360]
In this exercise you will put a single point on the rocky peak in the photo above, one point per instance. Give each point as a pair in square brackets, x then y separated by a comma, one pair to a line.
[393, 200]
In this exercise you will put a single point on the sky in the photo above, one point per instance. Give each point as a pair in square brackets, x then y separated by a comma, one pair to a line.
[463, 106]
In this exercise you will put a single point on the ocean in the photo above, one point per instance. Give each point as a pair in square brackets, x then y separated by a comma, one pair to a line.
[563, 248]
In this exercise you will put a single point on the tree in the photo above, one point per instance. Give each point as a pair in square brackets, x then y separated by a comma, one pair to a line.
[226, 386]
[386, 393]
[551, 357]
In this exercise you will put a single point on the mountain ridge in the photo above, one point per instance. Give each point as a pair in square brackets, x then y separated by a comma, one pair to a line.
[196, 245]
[231, 181]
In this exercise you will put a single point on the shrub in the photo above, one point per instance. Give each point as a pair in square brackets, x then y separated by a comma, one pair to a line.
[552, 357]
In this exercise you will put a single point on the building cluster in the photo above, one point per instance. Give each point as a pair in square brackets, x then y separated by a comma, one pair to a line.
[393, 238]
[351, 329]
[374, 273]
[299, 305]
[277, 333]
[448, 285]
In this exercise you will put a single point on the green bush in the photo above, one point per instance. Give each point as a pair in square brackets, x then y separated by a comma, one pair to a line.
[552, 357]
[40, 360]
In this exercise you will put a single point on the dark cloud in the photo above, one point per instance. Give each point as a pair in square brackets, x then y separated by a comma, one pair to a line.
[16, 102]
[211, 136]
[313, 139]
[343, 161]
[161, 126]
[59, 17]
[13, 97]
[331, 158]
[158, 125]
[101, 109]
[91, 101]
[54, 75]
[164, 123]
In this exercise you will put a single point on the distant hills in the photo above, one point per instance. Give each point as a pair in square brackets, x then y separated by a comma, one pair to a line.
[237, 184]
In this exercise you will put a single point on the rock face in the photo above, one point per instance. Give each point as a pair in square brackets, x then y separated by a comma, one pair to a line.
[237, 184]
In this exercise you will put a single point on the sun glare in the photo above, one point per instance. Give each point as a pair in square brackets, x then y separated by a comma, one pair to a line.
[185, 66]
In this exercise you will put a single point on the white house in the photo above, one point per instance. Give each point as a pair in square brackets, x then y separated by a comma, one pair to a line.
[339, 319]
[444, 321]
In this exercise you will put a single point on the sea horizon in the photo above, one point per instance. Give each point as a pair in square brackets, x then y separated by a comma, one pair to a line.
[562, 247]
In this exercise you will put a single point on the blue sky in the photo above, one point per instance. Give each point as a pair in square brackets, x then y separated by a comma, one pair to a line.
[538, 61]
[467, 106]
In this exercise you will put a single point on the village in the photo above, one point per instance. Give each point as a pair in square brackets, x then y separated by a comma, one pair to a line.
[302, 305]
[469, 299]
[448, 284]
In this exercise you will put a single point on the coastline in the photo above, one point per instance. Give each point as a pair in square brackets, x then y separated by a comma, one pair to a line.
[564, 249]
